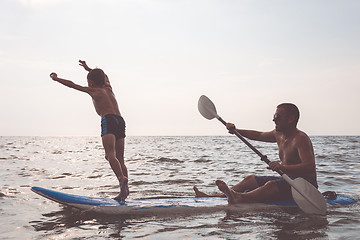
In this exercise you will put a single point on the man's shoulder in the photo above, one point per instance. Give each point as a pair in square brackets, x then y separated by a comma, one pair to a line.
[302, 134]
[302, 137]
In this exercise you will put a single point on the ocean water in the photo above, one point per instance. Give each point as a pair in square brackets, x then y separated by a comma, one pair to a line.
[165, 167]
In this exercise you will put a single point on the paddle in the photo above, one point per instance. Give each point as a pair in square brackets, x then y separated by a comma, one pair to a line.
[306, 196]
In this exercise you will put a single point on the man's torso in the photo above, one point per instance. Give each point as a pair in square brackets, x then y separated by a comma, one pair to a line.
[289, 152]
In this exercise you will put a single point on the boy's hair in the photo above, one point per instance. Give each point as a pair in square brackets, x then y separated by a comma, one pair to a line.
[97, 76]
[291, 109]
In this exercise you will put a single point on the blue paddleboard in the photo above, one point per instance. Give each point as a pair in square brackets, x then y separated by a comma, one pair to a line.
[158, 205]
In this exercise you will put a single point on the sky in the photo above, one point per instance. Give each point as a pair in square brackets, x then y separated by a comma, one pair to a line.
[247, 56]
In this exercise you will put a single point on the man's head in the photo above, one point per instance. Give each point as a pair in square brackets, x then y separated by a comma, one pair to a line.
[286, 116]
[97, 77]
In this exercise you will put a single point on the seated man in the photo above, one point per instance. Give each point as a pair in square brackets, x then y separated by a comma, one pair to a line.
[296, 155]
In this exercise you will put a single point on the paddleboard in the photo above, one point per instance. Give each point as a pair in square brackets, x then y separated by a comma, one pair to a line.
[160, 205]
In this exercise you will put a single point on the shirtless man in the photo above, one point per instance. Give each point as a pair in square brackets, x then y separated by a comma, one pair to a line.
[112, 124]
[296, 160]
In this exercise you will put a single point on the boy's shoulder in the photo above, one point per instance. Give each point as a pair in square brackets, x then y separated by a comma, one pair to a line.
[102, 91]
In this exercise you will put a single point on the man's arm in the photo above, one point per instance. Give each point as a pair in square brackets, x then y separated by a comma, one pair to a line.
[306, 154]
[253, 135]
[70, 84]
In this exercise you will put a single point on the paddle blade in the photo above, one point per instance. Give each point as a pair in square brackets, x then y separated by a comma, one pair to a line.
[307, 197]
[207, 108]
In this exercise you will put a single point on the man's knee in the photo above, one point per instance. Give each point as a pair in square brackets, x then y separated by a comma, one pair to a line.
[272, 184]
[250, 178]
[250, 182]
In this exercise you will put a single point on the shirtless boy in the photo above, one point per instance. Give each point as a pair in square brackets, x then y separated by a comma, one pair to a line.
[296, 156]
[112, 124]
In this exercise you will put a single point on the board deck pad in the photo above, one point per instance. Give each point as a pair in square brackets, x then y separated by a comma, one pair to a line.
[157, 205]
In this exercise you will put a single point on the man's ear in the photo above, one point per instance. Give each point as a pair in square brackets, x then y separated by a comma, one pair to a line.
[291, 119]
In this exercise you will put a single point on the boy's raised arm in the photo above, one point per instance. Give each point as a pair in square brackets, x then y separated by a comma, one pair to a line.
[84, 65]
[69, 84]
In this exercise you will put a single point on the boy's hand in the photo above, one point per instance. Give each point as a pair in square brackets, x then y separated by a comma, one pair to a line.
[53, 76]
[84, 65]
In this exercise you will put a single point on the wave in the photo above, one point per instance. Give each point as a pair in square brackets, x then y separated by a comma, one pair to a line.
[169, 160]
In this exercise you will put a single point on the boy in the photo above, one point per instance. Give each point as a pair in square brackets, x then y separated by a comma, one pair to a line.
[112, 124]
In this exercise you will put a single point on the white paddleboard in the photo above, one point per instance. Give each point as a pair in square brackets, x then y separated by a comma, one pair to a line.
[160, 205]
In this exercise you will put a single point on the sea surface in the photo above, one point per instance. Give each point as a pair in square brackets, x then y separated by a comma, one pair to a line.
[165, 167]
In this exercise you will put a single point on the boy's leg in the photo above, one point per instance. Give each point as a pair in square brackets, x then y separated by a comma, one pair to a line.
[109, 143]
[120, 147]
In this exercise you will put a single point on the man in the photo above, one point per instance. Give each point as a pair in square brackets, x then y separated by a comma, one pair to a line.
[112, 123]
[296, 160]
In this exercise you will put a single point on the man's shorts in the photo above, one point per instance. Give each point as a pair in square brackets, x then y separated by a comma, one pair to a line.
[113, 124]
[284, 187]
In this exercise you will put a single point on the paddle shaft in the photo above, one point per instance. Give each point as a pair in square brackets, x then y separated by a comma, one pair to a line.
[263, 157]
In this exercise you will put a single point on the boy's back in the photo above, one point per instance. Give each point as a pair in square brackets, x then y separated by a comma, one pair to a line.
[104, 101]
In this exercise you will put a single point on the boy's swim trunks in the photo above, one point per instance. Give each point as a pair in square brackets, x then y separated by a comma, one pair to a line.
[113, 124]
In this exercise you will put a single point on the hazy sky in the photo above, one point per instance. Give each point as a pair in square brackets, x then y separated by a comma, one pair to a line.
[161, 55]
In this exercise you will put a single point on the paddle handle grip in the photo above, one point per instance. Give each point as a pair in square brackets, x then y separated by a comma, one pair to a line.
[263, 157]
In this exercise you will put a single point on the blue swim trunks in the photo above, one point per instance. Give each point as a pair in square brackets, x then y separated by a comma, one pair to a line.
[284, 187]
[113, 124]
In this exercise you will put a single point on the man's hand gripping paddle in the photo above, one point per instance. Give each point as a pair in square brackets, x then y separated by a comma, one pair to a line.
[306, 196]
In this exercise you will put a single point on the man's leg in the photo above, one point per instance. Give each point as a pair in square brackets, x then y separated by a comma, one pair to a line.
[247, 184]
[199, 193]
[269, 191]
[109, 143]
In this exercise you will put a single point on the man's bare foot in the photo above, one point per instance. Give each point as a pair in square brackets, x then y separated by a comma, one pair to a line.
[124, 190]
[230, 194]
[198, 193]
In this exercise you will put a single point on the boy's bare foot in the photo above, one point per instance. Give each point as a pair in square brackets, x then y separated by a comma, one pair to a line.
[118, 198]
[227, 191]
[124, 190]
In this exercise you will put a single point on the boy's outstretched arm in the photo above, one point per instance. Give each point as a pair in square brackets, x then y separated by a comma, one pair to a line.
[69, 84]
[84, 65]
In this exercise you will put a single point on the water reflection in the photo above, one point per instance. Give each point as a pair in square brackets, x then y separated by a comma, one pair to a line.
[289, 224]
[69, 222]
